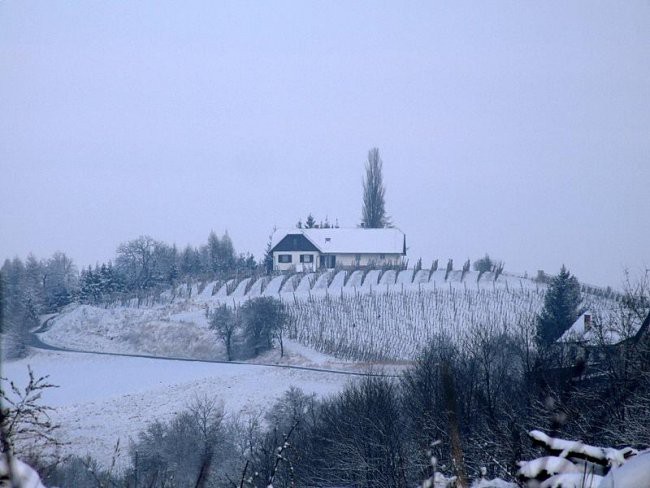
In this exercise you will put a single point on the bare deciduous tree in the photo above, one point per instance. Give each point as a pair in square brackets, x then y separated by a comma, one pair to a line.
[225, 322]
[25, 423]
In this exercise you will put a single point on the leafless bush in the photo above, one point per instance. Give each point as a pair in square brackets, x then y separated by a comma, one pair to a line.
[27, 430]
[190, 450]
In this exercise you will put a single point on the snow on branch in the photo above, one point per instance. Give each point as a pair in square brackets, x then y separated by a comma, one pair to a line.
[575, 449]
[575, 464]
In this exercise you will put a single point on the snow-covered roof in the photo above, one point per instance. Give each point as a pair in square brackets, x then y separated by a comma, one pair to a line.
[350, 240]
[599, 329]
[579, 328]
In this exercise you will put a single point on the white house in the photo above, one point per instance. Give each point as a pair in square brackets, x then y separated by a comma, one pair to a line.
[311, 249]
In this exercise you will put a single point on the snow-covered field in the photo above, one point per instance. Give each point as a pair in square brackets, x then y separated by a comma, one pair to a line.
[101, 398]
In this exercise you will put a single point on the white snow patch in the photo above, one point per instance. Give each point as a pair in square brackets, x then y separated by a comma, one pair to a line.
[572, 480]
[635, 473]
[24, 475]
[495, 483]
[548, 464]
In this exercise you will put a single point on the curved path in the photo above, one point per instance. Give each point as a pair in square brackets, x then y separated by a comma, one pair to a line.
[37, 343]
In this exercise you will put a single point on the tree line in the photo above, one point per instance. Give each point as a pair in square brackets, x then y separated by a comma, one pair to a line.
[145, 263]
[33, 287]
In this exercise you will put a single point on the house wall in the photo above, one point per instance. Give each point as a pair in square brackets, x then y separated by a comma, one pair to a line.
[367, 259]
[345, 260]
[295, 264]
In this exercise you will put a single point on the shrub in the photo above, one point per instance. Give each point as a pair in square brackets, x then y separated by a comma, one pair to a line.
[263, 320]
[484, 265]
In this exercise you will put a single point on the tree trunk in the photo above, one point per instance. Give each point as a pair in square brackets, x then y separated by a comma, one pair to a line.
[454, 433]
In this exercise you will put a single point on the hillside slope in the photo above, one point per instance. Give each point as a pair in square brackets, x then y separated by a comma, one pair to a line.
[356, 315]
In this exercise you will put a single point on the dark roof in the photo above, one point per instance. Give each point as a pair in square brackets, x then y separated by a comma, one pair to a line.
[294, 242]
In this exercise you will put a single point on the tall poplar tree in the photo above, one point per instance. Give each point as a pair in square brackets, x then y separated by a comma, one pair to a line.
[373, 213]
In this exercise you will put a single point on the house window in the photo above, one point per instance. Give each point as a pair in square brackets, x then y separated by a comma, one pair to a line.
[306, 258]
[328, 261]
[382, 256]
[357, 258]
[284, 258]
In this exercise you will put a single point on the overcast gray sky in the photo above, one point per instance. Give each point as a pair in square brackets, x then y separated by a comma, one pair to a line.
[521, 129]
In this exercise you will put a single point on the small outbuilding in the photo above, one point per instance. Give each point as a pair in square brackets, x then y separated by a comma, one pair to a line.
[312, 249]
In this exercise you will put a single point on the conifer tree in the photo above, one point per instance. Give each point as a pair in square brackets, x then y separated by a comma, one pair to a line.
[226, 252]
[561, 307]
[268, 255]
[190, 262]
[214, 248]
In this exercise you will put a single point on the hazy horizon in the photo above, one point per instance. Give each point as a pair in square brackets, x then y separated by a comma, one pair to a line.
[520, 130]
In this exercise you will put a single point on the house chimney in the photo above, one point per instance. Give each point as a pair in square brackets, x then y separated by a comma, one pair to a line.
[587, 322]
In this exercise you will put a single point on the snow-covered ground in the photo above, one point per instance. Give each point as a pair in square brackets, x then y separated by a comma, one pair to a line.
[178, 329]
[101, 399]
